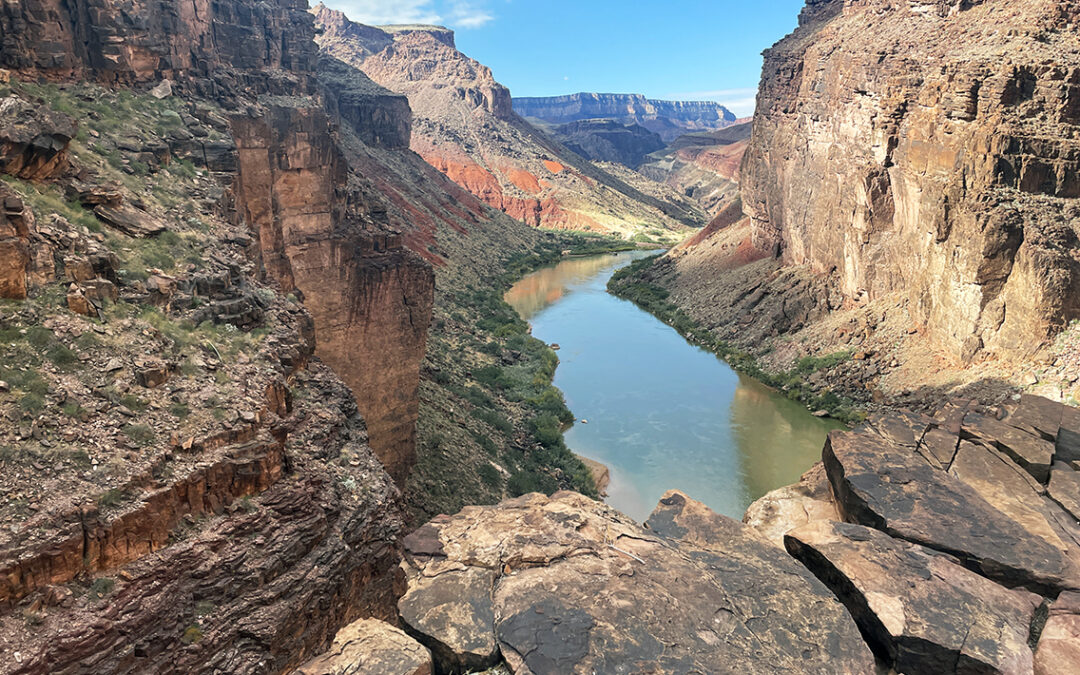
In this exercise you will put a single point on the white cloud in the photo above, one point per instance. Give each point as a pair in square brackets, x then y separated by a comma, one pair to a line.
[453, 13]
[466, 15]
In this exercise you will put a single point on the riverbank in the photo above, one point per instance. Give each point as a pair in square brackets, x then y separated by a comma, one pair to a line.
[491, 423]
[631, 283]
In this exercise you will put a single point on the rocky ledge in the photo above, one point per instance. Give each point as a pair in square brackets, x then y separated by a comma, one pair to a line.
[944, 544]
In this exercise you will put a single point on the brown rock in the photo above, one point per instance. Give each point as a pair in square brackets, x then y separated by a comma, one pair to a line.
[566, 581]
[1065, 488]
[1059, 646]
[1032, 452]
[14, 248]
[33, 139]
[371, 647]
[927, 613]
[787, 508]
[152, 376]
[131, 221]
[370, 298]
[894, 149]
[893, 489]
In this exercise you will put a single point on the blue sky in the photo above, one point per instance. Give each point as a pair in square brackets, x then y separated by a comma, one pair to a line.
[680, 49]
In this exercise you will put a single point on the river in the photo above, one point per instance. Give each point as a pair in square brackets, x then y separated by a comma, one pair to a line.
[661, 413]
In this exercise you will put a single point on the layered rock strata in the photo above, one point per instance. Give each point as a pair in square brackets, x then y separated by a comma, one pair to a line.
[369, 296]
[928, 149]
[464, 126]
[669, 119]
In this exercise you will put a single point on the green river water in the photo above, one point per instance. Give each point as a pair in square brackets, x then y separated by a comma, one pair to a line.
[661, 413]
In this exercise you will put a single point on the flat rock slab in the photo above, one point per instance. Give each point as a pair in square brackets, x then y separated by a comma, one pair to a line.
[925, 612]
[1009, 489]
[1033, 452]
[893, 489]
[371, 647]
[1037, 415]
[453, 610]
[1065, 488]
[580, 588]
[1059, 645]
[129, 220]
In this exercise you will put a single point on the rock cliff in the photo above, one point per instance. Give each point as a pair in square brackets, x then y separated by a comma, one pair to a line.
[609, 141]
[704, 166]
[180, 474]
[928, 149]
[464, 125]
[369, 296]
[669, 119]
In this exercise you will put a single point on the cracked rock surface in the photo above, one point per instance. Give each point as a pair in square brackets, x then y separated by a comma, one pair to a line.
[564, 584]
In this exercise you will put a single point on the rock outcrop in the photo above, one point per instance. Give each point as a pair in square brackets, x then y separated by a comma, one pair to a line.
[564, 584]
[928, 149]
[464, 125]
[669, 119]
[34, 140]
[949, 620]
[371, 647]
[217, 48]
[952, 553]
[14, 245]
[609, 141]
[369, 296]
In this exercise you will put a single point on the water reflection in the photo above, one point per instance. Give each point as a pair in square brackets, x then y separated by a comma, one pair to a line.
[661, 413]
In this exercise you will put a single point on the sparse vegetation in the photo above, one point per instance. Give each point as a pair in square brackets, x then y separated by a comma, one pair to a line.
[100, 588]
[626, 283]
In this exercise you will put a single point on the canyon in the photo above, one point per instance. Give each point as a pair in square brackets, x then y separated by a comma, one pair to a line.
[913, 205]
[256, 349]
[464, 125]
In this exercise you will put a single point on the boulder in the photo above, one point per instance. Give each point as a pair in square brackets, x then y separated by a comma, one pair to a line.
[567, 584]
[1059, 645]
[371, 647]
[1009, 489]
[33, 139]
[893, 489]
[787, 508]
[454, 612]
[14, 249]
[131, 221]
[919, 607]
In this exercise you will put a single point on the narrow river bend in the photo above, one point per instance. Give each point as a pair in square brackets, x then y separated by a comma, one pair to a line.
[661, 413]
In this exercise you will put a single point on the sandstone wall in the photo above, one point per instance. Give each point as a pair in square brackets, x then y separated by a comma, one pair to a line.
[930, 149]
[369, 296]
[145, 40]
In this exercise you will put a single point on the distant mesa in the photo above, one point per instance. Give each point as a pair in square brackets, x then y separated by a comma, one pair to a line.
[669, 119]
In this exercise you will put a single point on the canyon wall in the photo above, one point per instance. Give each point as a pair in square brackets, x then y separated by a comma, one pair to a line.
[369, 296]
[930, 149]
[670, 119]
[464, 125]
[153, 39]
